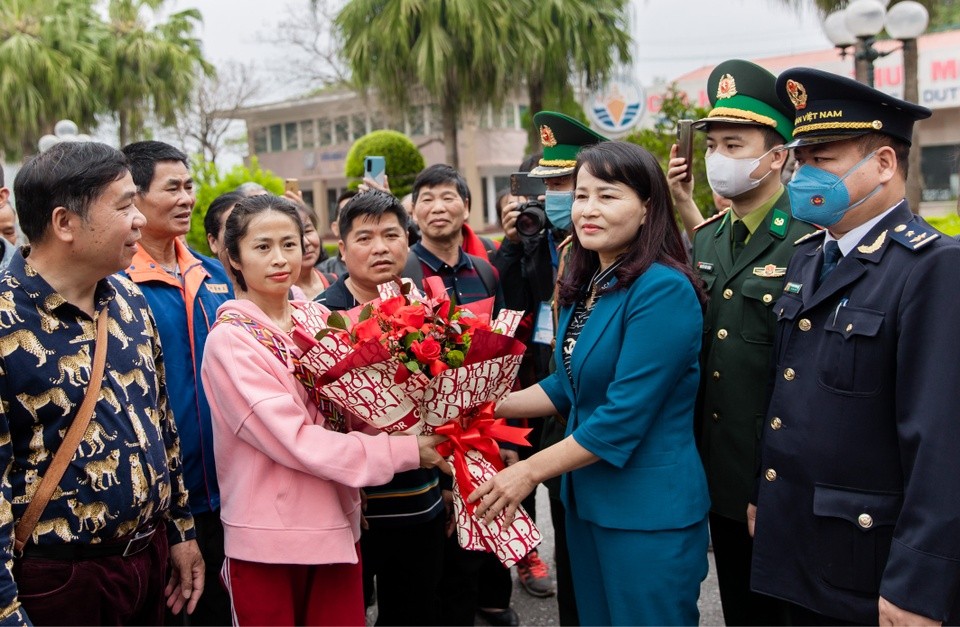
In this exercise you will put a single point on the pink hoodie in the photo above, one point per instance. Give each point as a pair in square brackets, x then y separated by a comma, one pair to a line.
[288, 485]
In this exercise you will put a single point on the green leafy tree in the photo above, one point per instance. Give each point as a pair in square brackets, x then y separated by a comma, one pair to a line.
[659, 139]
[210, 183]
[403, 159]
[564, 39]
[453, 49]
[48, 52]
[153, 67]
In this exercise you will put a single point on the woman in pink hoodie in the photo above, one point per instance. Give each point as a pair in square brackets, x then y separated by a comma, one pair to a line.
[289, 477]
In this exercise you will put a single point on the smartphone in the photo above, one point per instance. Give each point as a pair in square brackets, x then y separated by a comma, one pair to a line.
[291, 185]
[375, 168]
[523, 185]
[685, 146]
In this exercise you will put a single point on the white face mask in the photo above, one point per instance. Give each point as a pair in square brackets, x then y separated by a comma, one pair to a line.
[730, 177]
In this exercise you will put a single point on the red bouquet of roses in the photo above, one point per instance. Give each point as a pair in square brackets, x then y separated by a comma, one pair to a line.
[417, 363]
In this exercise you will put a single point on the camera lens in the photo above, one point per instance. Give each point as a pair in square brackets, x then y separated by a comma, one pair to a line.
[531, 220]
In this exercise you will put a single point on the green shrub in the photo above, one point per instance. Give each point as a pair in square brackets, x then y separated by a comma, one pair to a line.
[403, 159]
[949, 224]
[209, 184]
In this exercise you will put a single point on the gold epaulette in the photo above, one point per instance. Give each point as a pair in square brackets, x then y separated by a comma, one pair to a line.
[711, 219]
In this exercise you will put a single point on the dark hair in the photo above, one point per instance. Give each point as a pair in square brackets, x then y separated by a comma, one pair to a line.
[239, 221]
[441, 174]
[771, 138]
[530, 162]
[374, 204]
[70, 175]
[346, 194]
[220, 205]
[873, 141]
[658, 240]
[143, 158]
[1, 176]
[306, 211]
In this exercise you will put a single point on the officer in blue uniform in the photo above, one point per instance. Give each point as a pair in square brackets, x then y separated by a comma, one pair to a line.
[858, 502]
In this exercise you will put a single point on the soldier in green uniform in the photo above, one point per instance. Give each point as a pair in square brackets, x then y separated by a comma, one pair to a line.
[741, 254]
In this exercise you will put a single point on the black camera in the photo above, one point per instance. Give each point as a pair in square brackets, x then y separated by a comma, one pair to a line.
[532, 219]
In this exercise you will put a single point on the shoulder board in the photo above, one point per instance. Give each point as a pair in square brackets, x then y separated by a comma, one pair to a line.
[914, 235]
[711, 220]
[816, 233]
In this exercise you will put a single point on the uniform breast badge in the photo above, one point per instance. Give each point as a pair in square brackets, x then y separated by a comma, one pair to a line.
[792, 288]
[770, 271]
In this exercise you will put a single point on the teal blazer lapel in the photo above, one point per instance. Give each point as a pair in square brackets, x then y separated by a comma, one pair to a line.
[603, 312]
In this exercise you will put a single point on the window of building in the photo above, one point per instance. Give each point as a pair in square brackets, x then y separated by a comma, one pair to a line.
[307, 134]
[358, 126]
[416, 121]
[940, 166]
[483, 119]
[260, 140]
[509, 116]
[435, 119]
[276, 138]
[324, 132]
[291, 140]
[341, 130]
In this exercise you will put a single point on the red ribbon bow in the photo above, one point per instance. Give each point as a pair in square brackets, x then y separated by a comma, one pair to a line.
[481, 434]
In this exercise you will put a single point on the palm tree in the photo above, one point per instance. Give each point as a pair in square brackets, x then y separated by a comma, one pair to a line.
[48, 49]
[153, 69]
[453, 49]
[569, 38]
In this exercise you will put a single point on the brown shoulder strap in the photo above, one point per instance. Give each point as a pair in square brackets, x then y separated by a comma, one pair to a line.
[68, 448]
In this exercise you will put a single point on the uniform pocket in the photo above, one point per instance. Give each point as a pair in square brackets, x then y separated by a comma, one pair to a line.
[854, 531]
[851, 358]
[758, 323]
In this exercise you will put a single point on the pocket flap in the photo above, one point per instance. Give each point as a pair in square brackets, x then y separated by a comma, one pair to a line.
[764, 290]
[788, 307]
[861, 508]
[851, 321]
[708, 280]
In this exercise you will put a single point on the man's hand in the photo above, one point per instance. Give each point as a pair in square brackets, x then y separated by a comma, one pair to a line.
[186, 576]
[429, 457]
[751, 518]
[890, 614]
[509, 216]
[293, 196]
[676, 170]
[369, 183]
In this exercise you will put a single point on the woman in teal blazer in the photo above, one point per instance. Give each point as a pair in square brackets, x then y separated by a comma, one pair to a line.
[627, 373]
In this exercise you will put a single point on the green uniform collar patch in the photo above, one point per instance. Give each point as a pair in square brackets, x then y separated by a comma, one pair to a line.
[779, 221]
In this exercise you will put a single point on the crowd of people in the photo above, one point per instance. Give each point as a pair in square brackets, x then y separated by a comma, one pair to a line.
[775, 380]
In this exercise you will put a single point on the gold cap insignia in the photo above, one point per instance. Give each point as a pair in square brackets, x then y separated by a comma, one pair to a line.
[797, 94]
[727, 87]
[546, 136]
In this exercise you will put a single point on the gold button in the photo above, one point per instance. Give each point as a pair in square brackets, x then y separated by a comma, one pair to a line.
[728, 293]
[767, 298]
[722, 334]
[716, 417]
[805, 325]
[865, 520]
[716, 375]
[776, 423]
[849, 327]
[771, 474]
[789, 374]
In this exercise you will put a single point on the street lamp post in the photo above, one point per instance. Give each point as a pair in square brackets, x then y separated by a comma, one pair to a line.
[859, 24]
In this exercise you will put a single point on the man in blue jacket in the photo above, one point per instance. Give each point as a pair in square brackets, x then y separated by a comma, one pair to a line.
[184, 290]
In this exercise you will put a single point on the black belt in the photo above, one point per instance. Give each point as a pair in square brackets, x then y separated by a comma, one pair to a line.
[123, 547]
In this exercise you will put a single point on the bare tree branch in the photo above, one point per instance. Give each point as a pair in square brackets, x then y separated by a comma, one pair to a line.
[308, 35]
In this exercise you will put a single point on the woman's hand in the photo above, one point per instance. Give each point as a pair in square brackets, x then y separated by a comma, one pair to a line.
[504, 492]
[429, 457]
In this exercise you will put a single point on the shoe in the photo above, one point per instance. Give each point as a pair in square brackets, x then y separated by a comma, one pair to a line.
[534, 576]
[500, 618]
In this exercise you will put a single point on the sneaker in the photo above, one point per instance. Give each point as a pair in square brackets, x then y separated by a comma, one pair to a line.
[534, 576]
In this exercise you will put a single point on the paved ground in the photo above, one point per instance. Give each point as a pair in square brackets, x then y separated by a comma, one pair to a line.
[534, 611]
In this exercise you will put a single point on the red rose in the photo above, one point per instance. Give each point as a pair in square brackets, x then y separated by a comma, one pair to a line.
[426, 351]
[437, 367]
[475, 322]
[391, 305]
[369, 329]
[410, 316]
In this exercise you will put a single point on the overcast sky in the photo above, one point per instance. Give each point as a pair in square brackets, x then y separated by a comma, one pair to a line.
[672, 36]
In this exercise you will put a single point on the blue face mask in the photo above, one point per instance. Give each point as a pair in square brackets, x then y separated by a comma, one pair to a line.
[822, 198]
[558, 206]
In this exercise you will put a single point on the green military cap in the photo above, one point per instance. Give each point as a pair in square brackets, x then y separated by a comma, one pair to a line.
[562, 138]
[744, 93]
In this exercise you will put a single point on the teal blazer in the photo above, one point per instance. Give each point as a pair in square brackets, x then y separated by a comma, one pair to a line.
[635, 375]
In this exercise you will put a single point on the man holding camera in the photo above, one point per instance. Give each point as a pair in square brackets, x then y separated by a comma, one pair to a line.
[741, 254]
[529, 261]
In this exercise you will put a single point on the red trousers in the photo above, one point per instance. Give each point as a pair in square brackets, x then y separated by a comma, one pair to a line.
[294, 594]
